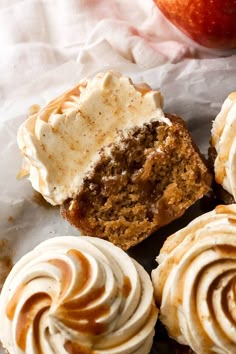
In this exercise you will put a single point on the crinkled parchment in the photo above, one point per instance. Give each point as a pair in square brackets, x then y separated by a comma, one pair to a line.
[194, 89]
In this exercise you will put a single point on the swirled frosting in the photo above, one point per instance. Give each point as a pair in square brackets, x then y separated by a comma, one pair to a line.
[77, 295]
[62, 142]
[195, 283]
[224, 141]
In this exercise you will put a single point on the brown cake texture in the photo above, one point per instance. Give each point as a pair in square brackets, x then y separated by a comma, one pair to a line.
[145, 182]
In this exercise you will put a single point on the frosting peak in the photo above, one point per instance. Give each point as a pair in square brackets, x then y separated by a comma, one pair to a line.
[61, 143]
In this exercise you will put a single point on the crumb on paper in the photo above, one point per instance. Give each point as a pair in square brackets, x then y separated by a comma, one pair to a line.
[6, 263]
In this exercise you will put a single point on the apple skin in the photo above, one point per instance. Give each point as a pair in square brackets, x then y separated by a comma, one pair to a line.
[211, 23]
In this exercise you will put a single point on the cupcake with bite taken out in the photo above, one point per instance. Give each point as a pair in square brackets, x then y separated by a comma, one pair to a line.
[119, 167]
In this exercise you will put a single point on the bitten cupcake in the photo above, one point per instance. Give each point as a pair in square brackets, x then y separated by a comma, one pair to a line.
[77, 295]
[194, 284]
[119, 167]
[223, 150]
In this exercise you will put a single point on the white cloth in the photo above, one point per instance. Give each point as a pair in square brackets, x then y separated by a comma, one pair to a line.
[38, 35]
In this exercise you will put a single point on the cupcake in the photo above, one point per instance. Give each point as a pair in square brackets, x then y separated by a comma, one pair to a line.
[119, 167]
[77, 295]
[223, 150]
[194, 284]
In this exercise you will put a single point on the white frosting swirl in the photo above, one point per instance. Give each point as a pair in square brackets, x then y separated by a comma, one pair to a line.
[224, 141]
[61, 143]
[195, 283]
[77, 295]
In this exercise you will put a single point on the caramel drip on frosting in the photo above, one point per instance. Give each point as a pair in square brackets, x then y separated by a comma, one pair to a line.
[86, 321]
[83, 301]
[60, 104]
[127, 287]
[84, 265]
[66, 274]
[39, 302]
[12, 304]
[75, 348]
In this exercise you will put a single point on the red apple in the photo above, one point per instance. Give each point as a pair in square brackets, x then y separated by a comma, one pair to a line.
[211, 23]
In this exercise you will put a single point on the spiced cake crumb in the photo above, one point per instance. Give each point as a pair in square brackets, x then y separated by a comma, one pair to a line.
[147, 180]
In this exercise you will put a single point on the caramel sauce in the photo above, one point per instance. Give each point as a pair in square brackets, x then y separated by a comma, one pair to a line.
[127, 287]
[84, 301]
[36, 303]
[220, 175]
[11, 306]
[35, 108]
[58, 105]
[66, 274]
[142, 88]
[213, 141]
[77, 316]
[75, 313]
[75, 348]
[85, 321]
[223, 209]
[79, 257]
[232, 221]
[225, 250]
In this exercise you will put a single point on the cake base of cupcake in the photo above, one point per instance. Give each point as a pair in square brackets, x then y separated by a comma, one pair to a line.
[147, 180]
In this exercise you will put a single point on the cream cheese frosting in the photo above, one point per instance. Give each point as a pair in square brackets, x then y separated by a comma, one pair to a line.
[77, 295]
[195, 283]
[61, 142]
[224, 141]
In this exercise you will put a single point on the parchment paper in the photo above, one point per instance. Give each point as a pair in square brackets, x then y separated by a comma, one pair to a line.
[194, 89]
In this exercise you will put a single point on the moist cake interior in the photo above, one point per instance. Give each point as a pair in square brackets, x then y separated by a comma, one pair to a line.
[147, 180]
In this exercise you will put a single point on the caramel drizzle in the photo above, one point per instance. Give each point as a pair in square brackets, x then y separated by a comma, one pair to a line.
[36, 304]
[75, 348]
[74, 313]
[66, 274]
[12, 304]
[59, 105]
[86, 321]
[126, 287]
[79, 257]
